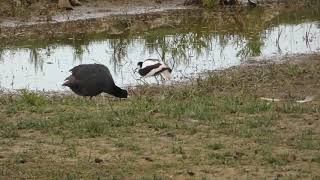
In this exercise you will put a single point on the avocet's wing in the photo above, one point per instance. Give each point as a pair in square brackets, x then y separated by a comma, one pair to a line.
[166, 74]
[150, 62]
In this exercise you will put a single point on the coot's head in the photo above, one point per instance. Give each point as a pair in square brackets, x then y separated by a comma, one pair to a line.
[123, 94]
[120, 93]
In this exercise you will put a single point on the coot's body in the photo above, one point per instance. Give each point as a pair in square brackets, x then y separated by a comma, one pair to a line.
[93, 79]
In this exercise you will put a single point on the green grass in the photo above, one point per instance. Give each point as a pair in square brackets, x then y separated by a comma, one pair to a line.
[194, 131]
[209, 3]
[276, 160]
[8, 131]
[306, 139]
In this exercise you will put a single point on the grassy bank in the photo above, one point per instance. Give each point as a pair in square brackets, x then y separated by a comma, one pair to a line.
[217, 127]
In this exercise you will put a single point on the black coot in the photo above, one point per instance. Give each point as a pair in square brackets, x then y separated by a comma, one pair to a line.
[93, 79]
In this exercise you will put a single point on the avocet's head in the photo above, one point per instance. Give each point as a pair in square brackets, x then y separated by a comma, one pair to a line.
[139, 64]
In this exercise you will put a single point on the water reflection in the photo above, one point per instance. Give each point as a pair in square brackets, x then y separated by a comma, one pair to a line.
[202, 42]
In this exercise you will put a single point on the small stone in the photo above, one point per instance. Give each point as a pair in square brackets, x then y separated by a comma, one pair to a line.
[283, 126]
[170, 134]
[291, 157]
[179, 172]
[190, 173]
[148, 159]
[65, 4]
[22, 161]
[17, 2]
[75, 3]
[279, 175]
[205, 171]
[98, 160]
[193, 120]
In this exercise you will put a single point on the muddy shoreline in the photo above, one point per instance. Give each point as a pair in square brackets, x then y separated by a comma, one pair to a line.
[123, 19]
[94, 17]
[112, 25]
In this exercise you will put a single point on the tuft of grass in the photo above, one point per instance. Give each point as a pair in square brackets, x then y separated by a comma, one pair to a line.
[259, 127]
[294, 70]
[243, 105]
[21, 157]
[8, 130]
[157, 125]
[306, 139]
[127, 144]
[215, 146]
[280, 159]
[209, 3]
[261, 121]
[32, 98]
[177, 149]
[316, 159]
[71, 176]
[71, 151]
[292, 107]
[195, 107]
[274, 160]
[226, 158]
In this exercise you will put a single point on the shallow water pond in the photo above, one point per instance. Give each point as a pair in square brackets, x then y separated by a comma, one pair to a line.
[191, 49]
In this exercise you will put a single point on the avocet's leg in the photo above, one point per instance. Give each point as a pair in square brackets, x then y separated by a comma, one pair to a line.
[142, 79]
[163, 80]
[157, 80]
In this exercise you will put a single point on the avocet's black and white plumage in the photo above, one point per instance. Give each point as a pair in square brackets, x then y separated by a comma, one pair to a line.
[154, 67]
[253, 2]
[91, 80]
[234, 2]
